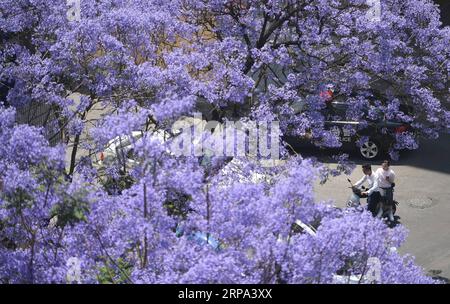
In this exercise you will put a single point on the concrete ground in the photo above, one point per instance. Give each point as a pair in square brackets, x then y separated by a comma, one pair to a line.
[423, 190]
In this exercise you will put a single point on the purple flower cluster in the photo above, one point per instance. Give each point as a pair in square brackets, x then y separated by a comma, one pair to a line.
[157, 218]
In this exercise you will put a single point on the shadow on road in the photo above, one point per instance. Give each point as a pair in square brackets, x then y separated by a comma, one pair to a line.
[432, 155]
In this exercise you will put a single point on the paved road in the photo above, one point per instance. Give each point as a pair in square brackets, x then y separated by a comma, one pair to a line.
[423, 190]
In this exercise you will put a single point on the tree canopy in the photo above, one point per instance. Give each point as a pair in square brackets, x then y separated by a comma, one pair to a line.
[149, 63]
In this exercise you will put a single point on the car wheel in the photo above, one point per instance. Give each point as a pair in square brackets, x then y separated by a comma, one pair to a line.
[370, 149]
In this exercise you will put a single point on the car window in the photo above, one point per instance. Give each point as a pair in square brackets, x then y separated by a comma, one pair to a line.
[339, 107]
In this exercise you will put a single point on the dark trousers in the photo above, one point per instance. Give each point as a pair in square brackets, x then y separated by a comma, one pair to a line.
[372, 202]
[389, 195]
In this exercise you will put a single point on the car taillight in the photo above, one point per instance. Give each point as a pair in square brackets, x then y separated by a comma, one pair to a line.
[401, 129]
[101, 156]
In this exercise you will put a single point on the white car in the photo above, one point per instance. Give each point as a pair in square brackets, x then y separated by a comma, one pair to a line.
[121, 148]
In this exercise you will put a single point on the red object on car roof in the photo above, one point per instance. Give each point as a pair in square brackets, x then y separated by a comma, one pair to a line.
[327, 95]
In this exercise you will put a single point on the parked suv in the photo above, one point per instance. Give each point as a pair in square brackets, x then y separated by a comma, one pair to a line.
[372, 139]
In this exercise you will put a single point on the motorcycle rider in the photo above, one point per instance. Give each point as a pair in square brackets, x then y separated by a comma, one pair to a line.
[386, 178]
[373, 194]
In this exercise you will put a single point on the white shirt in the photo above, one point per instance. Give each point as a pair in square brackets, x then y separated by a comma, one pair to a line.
[382, 174]
[372, 181]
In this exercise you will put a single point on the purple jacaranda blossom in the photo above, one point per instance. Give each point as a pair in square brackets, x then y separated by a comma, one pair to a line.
[148, 63]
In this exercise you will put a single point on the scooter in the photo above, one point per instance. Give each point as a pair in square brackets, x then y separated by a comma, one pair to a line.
[354, 201]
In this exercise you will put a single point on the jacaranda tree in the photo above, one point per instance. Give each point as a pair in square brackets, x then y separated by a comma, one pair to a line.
[148, 63]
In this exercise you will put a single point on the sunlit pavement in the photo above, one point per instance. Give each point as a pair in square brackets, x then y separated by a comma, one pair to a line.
[423, 190]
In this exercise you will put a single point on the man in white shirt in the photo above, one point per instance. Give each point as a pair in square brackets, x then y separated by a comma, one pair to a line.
[386, 178]
[373, 194]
